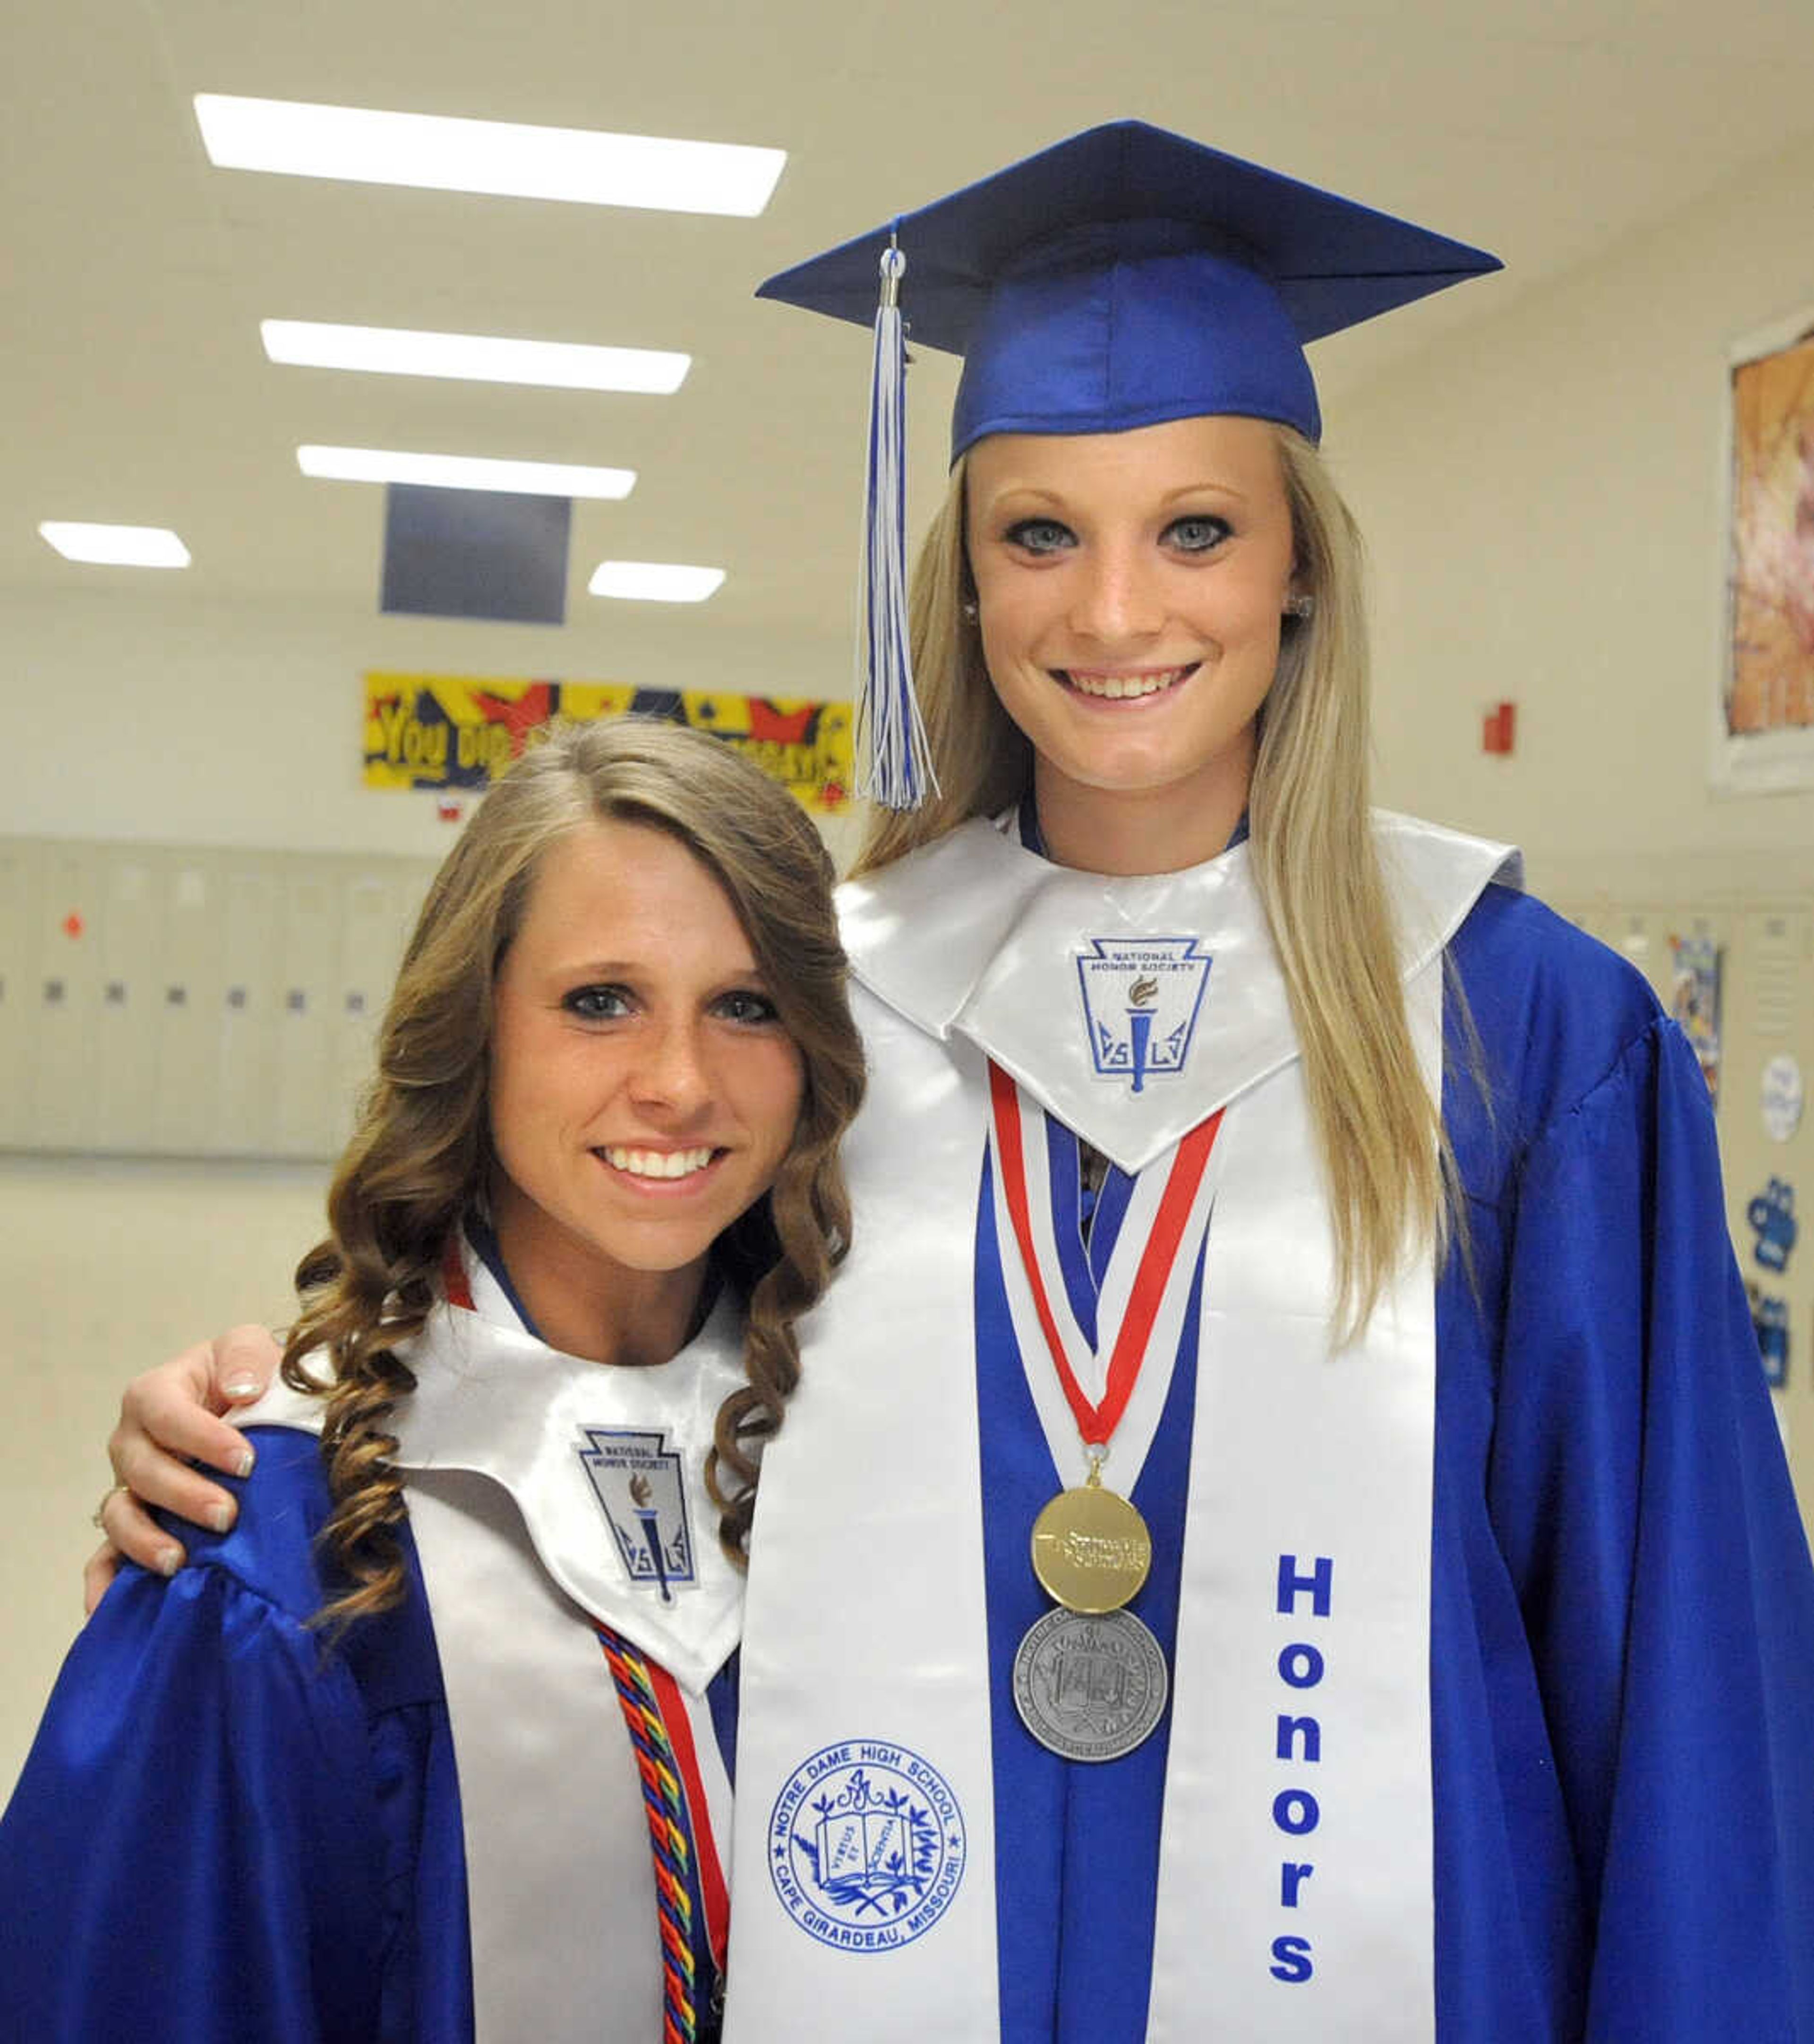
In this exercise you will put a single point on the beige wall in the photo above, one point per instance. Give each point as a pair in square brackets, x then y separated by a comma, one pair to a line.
[147, 712]
[1542, 504]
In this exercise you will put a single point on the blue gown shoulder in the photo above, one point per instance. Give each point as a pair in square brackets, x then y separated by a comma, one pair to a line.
[1545, 1016]
[298, 1799]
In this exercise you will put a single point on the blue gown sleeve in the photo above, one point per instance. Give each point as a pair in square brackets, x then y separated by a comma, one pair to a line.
[193, 1854]
[1641, 1499]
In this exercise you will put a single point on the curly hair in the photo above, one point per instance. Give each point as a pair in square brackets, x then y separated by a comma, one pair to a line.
[421, 1156]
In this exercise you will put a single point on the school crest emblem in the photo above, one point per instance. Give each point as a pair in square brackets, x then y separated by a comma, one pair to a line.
[638, 1481]
[866, 1846]
[1140, 999]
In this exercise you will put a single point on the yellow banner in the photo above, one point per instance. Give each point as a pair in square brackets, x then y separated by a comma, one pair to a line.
[462, 732]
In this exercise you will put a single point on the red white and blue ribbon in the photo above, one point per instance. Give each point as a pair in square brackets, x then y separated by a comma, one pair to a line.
[1140, 1303]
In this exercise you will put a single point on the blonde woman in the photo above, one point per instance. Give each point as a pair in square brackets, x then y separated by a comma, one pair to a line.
[1282, 1535]
[465, 1658]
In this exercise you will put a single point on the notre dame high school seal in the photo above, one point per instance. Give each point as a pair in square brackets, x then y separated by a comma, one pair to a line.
[865, 1845]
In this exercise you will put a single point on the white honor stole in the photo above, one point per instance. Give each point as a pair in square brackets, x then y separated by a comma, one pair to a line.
[1295, 1894]
[519, 1463]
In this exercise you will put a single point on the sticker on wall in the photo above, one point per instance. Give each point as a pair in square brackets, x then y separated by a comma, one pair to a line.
[1772, 1214]
[1694, 1001]
[1782, 1097]
[1771, 1318]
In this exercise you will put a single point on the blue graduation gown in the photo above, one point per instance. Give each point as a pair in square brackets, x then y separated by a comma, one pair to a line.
[222, 1835]
[1622, 1650]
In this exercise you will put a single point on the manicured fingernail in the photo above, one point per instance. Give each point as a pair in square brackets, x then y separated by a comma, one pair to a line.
[169, 1561]
[221, 1517]
[244, 1466]
[242, 1387]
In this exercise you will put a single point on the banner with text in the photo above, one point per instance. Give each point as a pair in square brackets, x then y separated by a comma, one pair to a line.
[451, 731]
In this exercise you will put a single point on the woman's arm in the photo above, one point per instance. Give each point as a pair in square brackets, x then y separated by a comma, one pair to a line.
[168, 1421]
[1645, 1512]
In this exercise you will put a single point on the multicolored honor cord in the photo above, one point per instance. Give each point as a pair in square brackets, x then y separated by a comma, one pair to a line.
[687, 1880]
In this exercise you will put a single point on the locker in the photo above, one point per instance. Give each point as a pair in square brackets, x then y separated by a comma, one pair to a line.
[240, 1115]
[21, 980]
[130, 939]
[63, 1113]
[306, 1116]
[186, 999]
[1641, 934]
[374, 925]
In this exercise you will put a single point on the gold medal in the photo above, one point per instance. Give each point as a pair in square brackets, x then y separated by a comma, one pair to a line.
[1091, 1548]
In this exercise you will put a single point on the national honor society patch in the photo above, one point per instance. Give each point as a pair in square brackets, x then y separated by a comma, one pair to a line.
[638, 1483]
[1141, 999]
[865, 1845]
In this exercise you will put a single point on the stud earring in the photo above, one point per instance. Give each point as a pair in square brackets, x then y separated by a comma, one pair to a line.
[970, 609]
[1298, 604]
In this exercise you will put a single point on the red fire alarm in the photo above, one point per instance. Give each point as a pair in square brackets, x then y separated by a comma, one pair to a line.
[1498, 728]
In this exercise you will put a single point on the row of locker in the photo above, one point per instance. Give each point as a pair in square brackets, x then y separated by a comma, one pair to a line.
[158, 1000]
[162, 1001]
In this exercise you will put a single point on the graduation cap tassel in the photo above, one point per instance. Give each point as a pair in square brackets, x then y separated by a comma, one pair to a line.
[895, 766]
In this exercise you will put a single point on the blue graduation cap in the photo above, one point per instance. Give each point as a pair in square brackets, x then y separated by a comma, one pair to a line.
[1122, 278]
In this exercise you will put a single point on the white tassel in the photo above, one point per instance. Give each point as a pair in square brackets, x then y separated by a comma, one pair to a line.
[894, 764]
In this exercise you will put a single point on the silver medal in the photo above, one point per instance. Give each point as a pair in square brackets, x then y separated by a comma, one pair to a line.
[1090, 1687]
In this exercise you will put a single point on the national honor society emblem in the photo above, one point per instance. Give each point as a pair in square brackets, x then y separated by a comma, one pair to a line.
[637, 1479]
[1141, 999]
[865, 1845]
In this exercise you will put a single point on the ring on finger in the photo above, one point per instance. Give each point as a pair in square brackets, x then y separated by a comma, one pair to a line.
[98, 1516]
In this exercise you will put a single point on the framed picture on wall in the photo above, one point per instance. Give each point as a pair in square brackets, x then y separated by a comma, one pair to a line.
[1763, 735]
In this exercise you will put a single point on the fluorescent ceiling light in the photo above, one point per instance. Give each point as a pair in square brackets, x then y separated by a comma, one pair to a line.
[500, 156]
[459, 471]
[473, 357]
[116, 546]
[655, 582]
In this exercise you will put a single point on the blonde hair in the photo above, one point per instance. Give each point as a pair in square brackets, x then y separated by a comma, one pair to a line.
[421, 1157]
[1315, 864]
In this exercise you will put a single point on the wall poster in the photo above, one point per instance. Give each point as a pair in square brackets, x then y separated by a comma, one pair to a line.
[460, 732]
[1763, 737]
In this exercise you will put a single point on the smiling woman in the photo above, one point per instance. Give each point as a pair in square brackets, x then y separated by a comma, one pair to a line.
[371, 1737]
[643, 1092]
[1130, 589]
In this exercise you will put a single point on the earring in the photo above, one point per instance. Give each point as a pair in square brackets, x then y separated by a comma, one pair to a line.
[1298, 604]
[970, 609]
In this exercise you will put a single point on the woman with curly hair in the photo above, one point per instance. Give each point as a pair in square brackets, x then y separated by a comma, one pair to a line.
[467, 1655]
